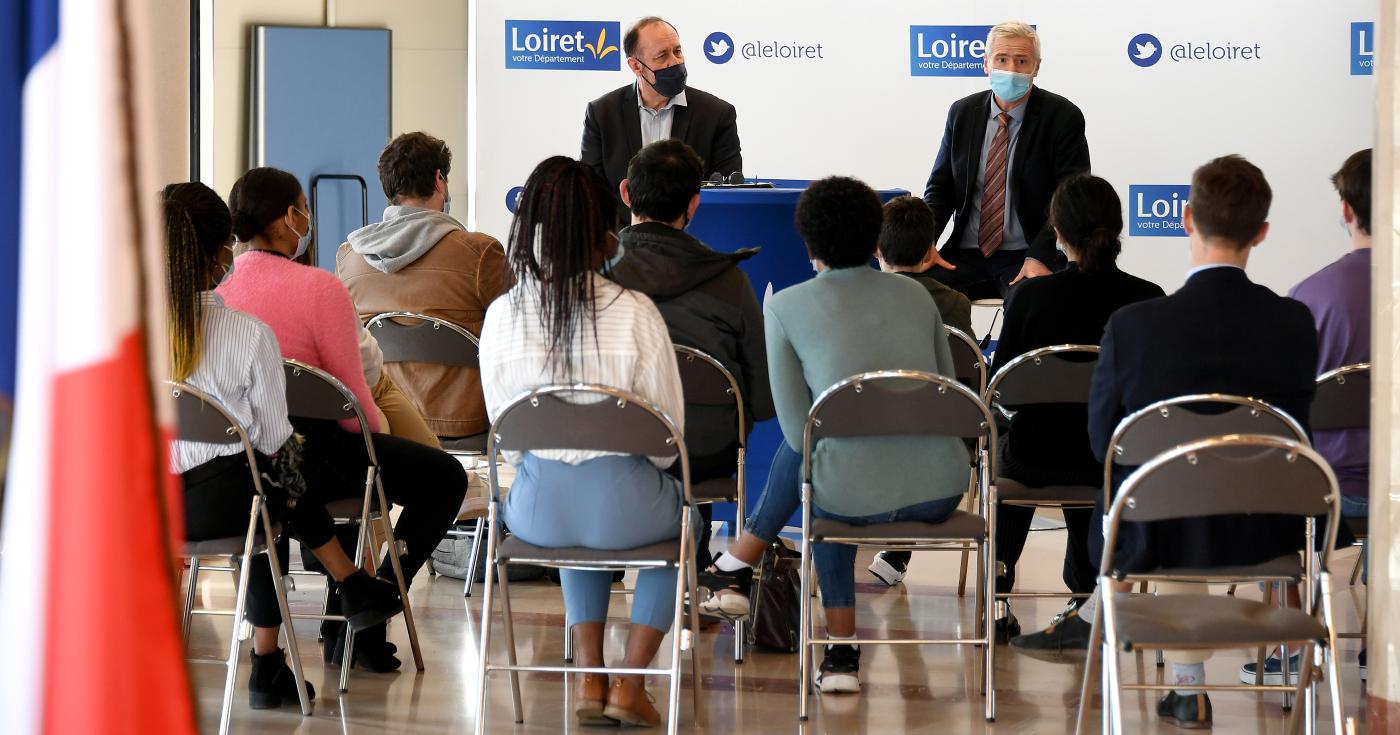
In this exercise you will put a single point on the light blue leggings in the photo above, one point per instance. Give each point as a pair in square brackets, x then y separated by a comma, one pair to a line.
[613, 503]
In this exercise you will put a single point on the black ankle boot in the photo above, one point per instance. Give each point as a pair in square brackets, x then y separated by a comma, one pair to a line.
[366, 602]
[271, 683]
[372, 650]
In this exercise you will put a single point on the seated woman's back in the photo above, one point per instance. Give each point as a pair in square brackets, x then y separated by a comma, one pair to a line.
[844, 322]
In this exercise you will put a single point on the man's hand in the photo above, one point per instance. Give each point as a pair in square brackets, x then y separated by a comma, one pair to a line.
[1032, 268]
[936, 261]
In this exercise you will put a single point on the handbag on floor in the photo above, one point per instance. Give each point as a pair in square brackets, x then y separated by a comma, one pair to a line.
[776, 618]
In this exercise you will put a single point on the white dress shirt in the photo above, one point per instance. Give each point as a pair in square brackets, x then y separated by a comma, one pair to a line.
[656, 124]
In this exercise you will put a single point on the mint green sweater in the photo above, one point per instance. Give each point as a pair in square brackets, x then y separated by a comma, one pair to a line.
[849, 321]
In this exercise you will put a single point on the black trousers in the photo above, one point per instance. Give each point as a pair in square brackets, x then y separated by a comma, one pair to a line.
[1079, 573]
[218, 498]
[426, 482]
[978, 276]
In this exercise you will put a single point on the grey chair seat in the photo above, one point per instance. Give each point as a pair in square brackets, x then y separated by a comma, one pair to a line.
[231, 546]
[663, 554]
[719, 488]
[1210, 621]
[960, 526]
[1285, 568]
[349, 508]
[1011, 491]
[475, 444]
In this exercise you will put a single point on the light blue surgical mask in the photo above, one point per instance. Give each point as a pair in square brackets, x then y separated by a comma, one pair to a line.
[228, 269]
[614, 260]
[303, 241]
[1010, 86]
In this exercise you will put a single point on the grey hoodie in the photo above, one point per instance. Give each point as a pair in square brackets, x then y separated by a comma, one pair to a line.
[405, 235]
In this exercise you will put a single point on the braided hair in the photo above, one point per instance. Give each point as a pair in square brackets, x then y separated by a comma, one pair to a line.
[197, 226]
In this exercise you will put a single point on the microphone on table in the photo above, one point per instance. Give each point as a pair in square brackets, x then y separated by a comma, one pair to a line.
[716, 178]
[735, 178]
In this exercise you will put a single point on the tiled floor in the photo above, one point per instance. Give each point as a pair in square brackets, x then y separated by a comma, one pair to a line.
[928, 690]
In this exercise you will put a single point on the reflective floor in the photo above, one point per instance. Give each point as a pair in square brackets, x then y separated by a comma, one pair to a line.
[930, 689]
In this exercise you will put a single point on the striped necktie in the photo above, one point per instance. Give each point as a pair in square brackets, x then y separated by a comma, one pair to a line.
[989, 230]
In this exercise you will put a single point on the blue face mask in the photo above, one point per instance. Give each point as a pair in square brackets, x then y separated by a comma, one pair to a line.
[612, 262]
[1010, 86]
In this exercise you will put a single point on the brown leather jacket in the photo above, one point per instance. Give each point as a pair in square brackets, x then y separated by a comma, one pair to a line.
[456, 280]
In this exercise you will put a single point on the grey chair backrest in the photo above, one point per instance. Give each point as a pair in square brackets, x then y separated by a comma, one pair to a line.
[425, 339]
[313, 393]
[1228, 475]
[1148, 432]
[1056, 374]
[706, 382]
[200, 418]
[895, 402]
[1343, 399]
[969, 365]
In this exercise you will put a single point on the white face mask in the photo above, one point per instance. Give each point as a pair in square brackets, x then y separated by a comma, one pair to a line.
[815, 268]
[303, 241]
[228, 269]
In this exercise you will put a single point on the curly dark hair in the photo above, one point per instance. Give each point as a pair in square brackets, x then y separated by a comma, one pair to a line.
[839, 219]
[409, 164]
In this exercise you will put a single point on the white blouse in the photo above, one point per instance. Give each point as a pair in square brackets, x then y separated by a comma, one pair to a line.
[632, 351]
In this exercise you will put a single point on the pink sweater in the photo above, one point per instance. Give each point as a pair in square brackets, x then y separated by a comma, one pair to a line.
[310, 312]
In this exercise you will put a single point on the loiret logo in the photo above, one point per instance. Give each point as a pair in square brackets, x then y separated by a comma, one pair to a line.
[947, 51]
[1156, 209]
[1144, 49]
[719, 47]
[1363, 48]
[574, 45]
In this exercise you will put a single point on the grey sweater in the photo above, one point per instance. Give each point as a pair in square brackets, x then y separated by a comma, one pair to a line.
[849, 321]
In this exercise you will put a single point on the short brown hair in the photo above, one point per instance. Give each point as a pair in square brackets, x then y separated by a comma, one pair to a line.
[633, 34]
[409, 164]
[1230, 200]
[1353, 182]
[906, 231]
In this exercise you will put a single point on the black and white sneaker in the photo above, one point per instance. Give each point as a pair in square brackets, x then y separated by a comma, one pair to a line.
[890, 567]
[840, 670]
[725, 594]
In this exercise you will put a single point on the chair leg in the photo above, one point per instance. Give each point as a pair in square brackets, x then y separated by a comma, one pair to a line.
[1356, 570]
[804, 646]
[694, 636]
[187, 614]
[1086, 686]
[280, 589]
[978, 624]
[1300, 715]
[484, 647]
[239, 603]
[673, 690]
[1113, 697]
[503, 579]
[473, 558]
[988, 591]
[397, 565]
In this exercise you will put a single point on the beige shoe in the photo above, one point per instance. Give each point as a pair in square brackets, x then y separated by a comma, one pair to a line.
[589, 697]
[630, 704]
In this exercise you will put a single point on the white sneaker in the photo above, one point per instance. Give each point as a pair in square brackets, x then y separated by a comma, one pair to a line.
[885, 571]
[840, 670]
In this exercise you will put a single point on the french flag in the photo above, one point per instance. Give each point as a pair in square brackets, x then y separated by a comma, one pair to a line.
[87, 583]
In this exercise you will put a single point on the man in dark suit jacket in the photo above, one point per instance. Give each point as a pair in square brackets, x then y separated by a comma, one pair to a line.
[1003, 153]
[656, 106]
[1219, 333]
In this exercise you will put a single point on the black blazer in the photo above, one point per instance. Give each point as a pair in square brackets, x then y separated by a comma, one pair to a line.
[612, 132]
[1050, 147]
[1049, 444]
[1219, 333]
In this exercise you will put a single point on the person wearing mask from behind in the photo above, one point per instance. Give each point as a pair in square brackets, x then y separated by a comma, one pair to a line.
[421, 259]
[314, 320]
[707, 302]
[234, 358]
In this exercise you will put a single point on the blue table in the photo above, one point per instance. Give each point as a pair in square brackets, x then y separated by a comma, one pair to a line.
[729, 219]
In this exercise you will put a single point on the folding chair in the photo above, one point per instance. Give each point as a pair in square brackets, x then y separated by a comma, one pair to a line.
[1061, 374]
[706, 382]
[970, 368]
[1343, 401]
[313, 393]
[902, 402]
[437, 341]
[202, 419]
[1229, 475]
[612, 421]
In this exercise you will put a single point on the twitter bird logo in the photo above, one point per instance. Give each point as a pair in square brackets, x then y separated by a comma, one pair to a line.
[719, 47]
[1144, 49]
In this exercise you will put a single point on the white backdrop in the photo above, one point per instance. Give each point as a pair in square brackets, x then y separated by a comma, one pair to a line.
[1297, 110]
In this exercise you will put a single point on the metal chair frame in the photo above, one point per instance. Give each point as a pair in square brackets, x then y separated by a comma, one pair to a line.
[1326, 416]
[374, 505]
[682, 638]
[379, 322]
[232, 432]
[1317, 581]
[985, 542]
[960, 340]
[1030, 361]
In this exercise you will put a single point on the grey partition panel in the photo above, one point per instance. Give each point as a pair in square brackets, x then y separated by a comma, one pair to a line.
[319, 103]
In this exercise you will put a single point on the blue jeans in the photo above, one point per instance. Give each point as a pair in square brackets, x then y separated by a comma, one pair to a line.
[835, 563]
[1354, 506]
[612, 502]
